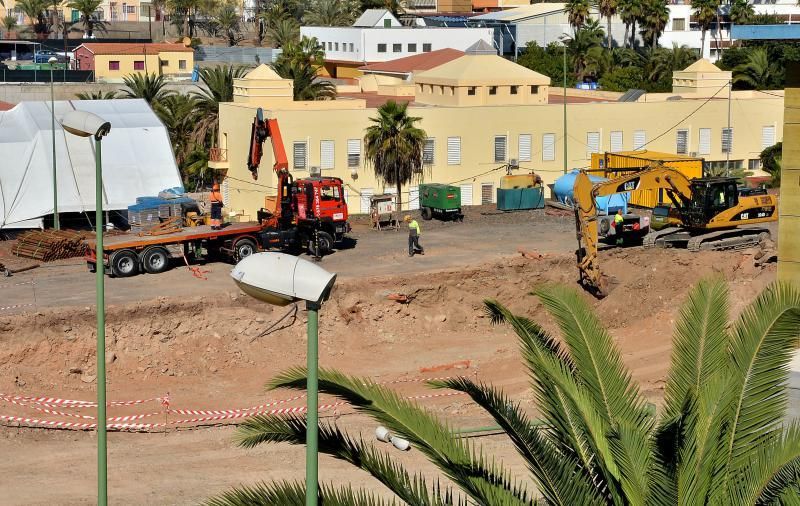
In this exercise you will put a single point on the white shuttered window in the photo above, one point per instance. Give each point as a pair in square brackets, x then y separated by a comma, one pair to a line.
[366, 196]
[767, 136]
[499, 148]
[593, 143]
[454, 151]
[326, 154]
[428, 150]
[704, 145]
[682, 142]
[639, 139]
[466, 194]
[524, 147]
[548, 147]
[300, 155]
[353, 152]
[616, 141]
[727, 140]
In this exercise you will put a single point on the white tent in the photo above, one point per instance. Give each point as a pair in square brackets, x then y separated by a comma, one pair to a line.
[136, 155]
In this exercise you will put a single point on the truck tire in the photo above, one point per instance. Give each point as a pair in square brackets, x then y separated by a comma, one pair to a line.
[243, 248]
[325, 244]
[124, 263]
[427, 213]
[155, 260]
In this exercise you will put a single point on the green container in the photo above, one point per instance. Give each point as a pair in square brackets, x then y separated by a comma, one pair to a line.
[520, 198]
[440, 200]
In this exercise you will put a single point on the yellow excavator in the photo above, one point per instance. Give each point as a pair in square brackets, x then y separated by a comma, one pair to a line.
[708, 212]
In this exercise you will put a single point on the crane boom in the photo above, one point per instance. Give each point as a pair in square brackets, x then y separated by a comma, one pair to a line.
[261, 129]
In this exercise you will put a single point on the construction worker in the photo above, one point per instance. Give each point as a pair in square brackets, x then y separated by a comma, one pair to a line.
[618, 226]
[216, 207]
[413, 236]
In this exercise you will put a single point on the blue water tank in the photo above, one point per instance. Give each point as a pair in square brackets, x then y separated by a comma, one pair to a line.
[563, 189]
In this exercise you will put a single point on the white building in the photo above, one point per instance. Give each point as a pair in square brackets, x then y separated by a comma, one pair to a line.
[378, 36]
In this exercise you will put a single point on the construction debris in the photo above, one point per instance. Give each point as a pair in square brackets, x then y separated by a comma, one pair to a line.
[49, 245]
[168, 226]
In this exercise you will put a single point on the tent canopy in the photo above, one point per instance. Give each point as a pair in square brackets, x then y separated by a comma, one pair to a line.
[137, 159]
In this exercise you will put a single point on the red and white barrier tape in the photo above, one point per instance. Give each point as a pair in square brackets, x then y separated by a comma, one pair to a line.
[15, 306]
[233, 411]
[414, 380]
[51, 402]
[9, 285]
[44, 410]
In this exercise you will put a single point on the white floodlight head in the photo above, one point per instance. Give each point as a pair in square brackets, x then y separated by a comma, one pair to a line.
[280, 279]
[85, 124]
[52, 60]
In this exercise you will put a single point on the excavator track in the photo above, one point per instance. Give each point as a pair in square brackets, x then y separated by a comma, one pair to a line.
[720, 240]
[650, 240]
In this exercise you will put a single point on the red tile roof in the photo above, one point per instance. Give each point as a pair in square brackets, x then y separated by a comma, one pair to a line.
[422, 61]
[129, 48]
[5, 106]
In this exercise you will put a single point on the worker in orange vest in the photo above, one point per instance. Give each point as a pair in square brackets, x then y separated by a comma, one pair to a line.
[216, 207]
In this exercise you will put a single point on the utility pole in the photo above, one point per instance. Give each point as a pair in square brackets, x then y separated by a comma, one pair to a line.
[730, 133]
[565, 107]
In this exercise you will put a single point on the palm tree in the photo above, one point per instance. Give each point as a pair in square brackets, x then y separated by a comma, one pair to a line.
[150, 87]
[96, 95]
[179, 114]
[9, 22]
[284, 32]
[577, 12]
[327, 13]
[393, 146]
[660, 63]
[219, 88]
[578, 46]
[630, 11]
[228, 20]
[741, 12]
[87, 8]
[607, 9]
[705, 12]
[758, 72]
[654, 20]
[300, 62]
[34, 11]
[721, 437]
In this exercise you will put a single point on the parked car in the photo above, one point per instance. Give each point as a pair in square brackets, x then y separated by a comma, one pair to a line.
[44, 57]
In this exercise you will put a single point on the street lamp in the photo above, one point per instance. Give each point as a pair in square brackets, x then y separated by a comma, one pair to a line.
[86, 124]
[56, 224]
[280, 279]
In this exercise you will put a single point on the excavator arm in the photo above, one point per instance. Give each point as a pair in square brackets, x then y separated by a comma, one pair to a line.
[676, 185]
[261, 130]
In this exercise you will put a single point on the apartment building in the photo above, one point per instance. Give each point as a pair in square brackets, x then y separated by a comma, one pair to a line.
[111, 62]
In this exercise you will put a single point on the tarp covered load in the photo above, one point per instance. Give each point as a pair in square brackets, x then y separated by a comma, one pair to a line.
[137, 160]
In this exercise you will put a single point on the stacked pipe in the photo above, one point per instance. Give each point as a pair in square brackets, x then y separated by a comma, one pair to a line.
[48, 245]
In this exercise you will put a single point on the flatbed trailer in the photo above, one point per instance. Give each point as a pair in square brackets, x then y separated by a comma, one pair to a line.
[128, 254]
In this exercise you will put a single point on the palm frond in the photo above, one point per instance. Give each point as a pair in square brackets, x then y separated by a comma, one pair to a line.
[286, 493]
[773, 470]
[699, 346]
[763, 339]
[470, 471]
[560, 478]
[291, 429]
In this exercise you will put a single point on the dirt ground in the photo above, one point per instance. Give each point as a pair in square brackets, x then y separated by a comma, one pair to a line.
[212, 348]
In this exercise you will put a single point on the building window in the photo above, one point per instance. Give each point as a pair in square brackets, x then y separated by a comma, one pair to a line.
[678, 24]
[514, 90]
[353, 152]
[471, 90]
[704, 142]
[426, 48]
[592, 143]
[524, 147]
[492, 90]
[144, 10]
[767, 136]
[754, 164]
[366, 199]
[727, 140]
[164, 63]
[397, 48]
[412, 48]
[499, 148]
[548, 147]
[138, 65]
[130, 9]
[387, 23]
[454, 151]
[335, 46]
[682, 142]
[300, 151]
[487, 193]
[639, 139]
[381, 48]
[616, 141]
[182, 64]
[330, 46]
[351, 48]
[326, 154]
[534, 90]
[113, 65]
[428, 150]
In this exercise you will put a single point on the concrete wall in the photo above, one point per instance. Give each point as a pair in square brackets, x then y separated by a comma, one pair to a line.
[789, 210]
[19, 92]
[477, 127]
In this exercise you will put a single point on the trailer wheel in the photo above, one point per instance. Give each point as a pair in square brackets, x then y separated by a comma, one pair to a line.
[155, 260]
[244, 248]
[325, 244]
[124, 263]
[427, 213]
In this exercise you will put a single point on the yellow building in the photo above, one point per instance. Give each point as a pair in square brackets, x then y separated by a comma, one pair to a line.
[789, 208]
[111, 61]
[468, 145]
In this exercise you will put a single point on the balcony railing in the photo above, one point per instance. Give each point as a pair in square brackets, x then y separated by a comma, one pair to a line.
[217, 155]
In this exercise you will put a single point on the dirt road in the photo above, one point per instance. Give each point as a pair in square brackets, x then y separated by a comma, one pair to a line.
[212, 348]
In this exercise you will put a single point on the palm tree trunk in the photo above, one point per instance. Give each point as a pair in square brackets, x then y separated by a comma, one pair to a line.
[609, 31]
[633, 33]
[399, 195]
[702, 43]
[625, 40]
